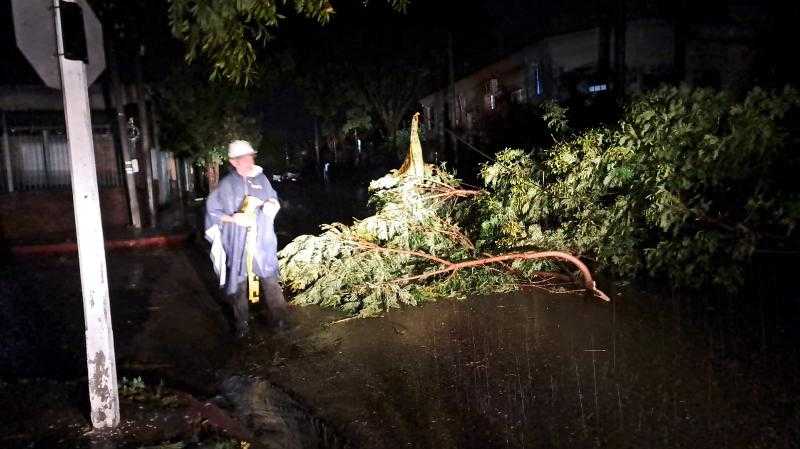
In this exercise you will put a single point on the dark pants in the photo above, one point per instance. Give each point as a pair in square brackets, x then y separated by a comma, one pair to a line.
[271, 298]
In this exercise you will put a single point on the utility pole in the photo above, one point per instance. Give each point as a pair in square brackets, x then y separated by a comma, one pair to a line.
[620, 31]
[100, 357]
[141, 103]
[163, 184]
[452, 91]
[7, 156]
[316, 140]
[122, 130]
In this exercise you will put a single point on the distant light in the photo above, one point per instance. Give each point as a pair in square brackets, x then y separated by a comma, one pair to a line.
[490, 102]
[598, 88]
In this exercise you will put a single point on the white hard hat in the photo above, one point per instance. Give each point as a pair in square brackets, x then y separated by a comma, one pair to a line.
[239, 148]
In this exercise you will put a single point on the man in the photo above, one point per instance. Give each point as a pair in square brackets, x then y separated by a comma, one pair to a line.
[227, 226]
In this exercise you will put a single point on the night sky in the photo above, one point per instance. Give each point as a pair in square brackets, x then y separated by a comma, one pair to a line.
[482, 30]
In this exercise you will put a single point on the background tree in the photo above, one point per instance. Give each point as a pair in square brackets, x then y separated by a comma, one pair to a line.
[200, 117]
[369, 67]
[226, 32]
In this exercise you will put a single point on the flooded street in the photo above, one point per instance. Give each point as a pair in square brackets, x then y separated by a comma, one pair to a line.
[534, 370]
[508, 371]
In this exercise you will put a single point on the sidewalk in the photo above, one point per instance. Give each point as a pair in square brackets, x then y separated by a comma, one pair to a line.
[174, 229]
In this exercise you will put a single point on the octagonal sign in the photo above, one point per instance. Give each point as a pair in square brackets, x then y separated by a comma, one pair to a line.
[34, 28]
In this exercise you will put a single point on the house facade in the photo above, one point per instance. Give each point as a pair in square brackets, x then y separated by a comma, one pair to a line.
[590, 64]
[35, 183]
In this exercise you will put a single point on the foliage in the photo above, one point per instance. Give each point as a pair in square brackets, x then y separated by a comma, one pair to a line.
[389, 89]
[396, 256]
[363, 68]
[357, 119]
[228, 444]
[134, 389]
[687, 187]
[131, 387]
[339, 269]
[555, 117]
[226, 32]
[401, 137]
[200, 117]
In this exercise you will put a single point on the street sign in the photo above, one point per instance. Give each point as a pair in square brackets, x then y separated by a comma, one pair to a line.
[35, 33]
[132, 166]
[52, 35]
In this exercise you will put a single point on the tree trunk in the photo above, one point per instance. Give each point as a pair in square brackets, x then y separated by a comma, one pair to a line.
[212, 176]
[144, 119]
[414, 164]
[117, 90]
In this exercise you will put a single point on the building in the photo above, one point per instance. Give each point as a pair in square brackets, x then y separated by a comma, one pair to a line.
[593, 65]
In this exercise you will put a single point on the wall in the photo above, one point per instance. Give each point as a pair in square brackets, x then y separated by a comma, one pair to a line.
[35, 167]
[47, 216]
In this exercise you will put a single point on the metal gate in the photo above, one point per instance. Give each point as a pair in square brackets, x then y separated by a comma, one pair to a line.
[41, 161]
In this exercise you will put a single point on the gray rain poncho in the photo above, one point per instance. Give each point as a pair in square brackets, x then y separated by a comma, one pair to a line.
[228, 239]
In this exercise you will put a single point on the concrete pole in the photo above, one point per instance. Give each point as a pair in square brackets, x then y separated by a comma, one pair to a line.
[122, 130]
[100, 357]
[7, 157]
[144, 120]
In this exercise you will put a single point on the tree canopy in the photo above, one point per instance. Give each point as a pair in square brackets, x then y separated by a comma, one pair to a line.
[686, 189]
[226, 32]
[200, 117]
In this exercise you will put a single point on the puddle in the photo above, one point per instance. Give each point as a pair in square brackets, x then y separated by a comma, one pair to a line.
[533, 370]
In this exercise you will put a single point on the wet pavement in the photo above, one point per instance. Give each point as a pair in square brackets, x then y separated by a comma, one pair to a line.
[536, 370]
[509, 371]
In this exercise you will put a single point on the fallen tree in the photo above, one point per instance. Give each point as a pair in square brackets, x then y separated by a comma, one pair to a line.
[414, 248]
[686, 189]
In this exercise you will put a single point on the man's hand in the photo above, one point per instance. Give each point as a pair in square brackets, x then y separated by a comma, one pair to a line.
[271, 206]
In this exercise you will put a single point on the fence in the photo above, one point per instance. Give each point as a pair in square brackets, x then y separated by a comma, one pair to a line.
[40, 161]
[164, 171]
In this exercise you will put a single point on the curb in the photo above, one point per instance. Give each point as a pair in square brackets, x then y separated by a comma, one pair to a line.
[157, 241]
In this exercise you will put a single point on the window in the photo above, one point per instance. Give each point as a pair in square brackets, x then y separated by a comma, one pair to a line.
[534, 84]
[490, 100]
[539, 90]
[595, 88]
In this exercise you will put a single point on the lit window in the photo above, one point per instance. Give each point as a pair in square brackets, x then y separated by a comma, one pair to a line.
[490, 102]
[594, 88]
[534, 83]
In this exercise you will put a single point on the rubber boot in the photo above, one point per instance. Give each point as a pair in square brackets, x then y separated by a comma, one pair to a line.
[241, 312]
